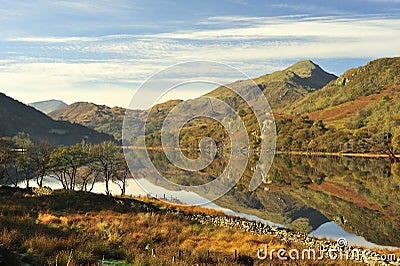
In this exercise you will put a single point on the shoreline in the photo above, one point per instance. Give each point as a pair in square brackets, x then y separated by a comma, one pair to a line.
[337, 154]
[302, 153]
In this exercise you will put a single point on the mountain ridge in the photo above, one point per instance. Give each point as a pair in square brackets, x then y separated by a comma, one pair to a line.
[342, 116]
[295, 81]
[48, 106]
[285, 86]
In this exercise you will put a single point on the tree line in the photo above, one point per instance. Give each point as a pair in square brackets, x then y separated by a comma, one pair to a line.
[76, 167]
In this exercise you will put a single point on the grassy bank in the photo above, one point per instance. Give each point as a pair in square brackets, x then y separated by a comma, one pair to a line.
[78, 228]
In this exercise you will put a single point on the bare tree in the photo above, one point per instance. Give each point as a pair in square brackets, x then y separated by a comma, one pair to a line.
[88, 173]
[21, 160]
[22, 167]
[396, 141]
[122, 174]
[40, 153]
[65, 162]
[105, 161]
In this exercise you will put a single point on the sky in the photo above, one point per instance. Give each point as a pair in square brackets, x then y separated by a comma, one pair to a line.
[102, 51]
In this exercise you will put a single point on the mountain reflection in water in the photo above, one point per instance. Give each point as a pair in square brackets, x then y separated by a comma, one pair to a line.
[303, 193]
[325, 196]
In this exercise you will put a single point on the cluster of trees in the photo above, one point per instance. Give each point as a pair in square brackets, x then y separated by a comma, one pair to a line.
[303, 134]
[76, 167]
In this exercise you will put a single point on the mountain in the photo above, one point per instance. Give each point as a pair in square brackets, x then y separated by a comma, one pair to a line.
[377, 78]
[281, 87]
[294, 82]
[17, 117]
[314, 110]
[285, 86]
[48, 106]
[358, 112]
[99, 117]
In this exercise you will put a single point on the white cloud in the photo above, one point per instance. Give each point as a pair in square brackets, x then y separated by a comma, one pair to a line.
[111, 83]
[268, 28]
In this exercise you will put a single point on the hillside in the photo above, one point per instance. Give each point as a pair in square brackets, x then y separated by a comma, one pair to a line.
[294, 82]
[371, 79]
[17, 117]
[363, 97]
[286, 86]
[351, 114]
[48, 106]
[79, 228]
[99, 117]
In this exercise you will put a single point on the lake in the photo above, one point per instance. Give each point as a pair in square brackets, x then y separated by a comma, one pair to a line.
[331, 197]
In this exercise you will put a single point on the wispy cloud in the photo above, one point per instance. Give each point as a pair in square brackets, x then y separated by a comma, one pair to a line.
[96, 7]
[279, 27]
[302, 7]
[263, 32]
[83, 66]
[47, 39]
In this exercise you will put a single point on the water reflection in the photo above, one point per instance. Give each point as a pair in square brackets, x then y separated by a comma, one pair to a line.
[361, 195]
[304, 193]
[325, 196]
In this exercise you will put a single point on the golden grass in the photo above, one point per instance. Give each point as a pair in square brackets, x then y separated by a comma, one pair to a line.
[51, 234]
[47, 218]
[7, 237]
[396, 252]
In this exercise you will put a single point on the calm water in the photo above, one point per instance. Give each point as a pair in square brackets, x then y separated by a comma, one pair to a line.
[330, 197]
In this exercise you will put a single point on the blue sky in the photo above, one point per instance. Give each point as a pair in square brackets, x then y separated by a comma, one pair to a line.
[101, 51]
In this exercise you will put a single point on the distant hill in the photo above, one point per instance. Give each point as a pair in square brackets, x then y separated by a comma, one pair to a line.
[109, 120]
[281, 88]
[285, 86]
[17, 117]
[99, 117]
[48, 106]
